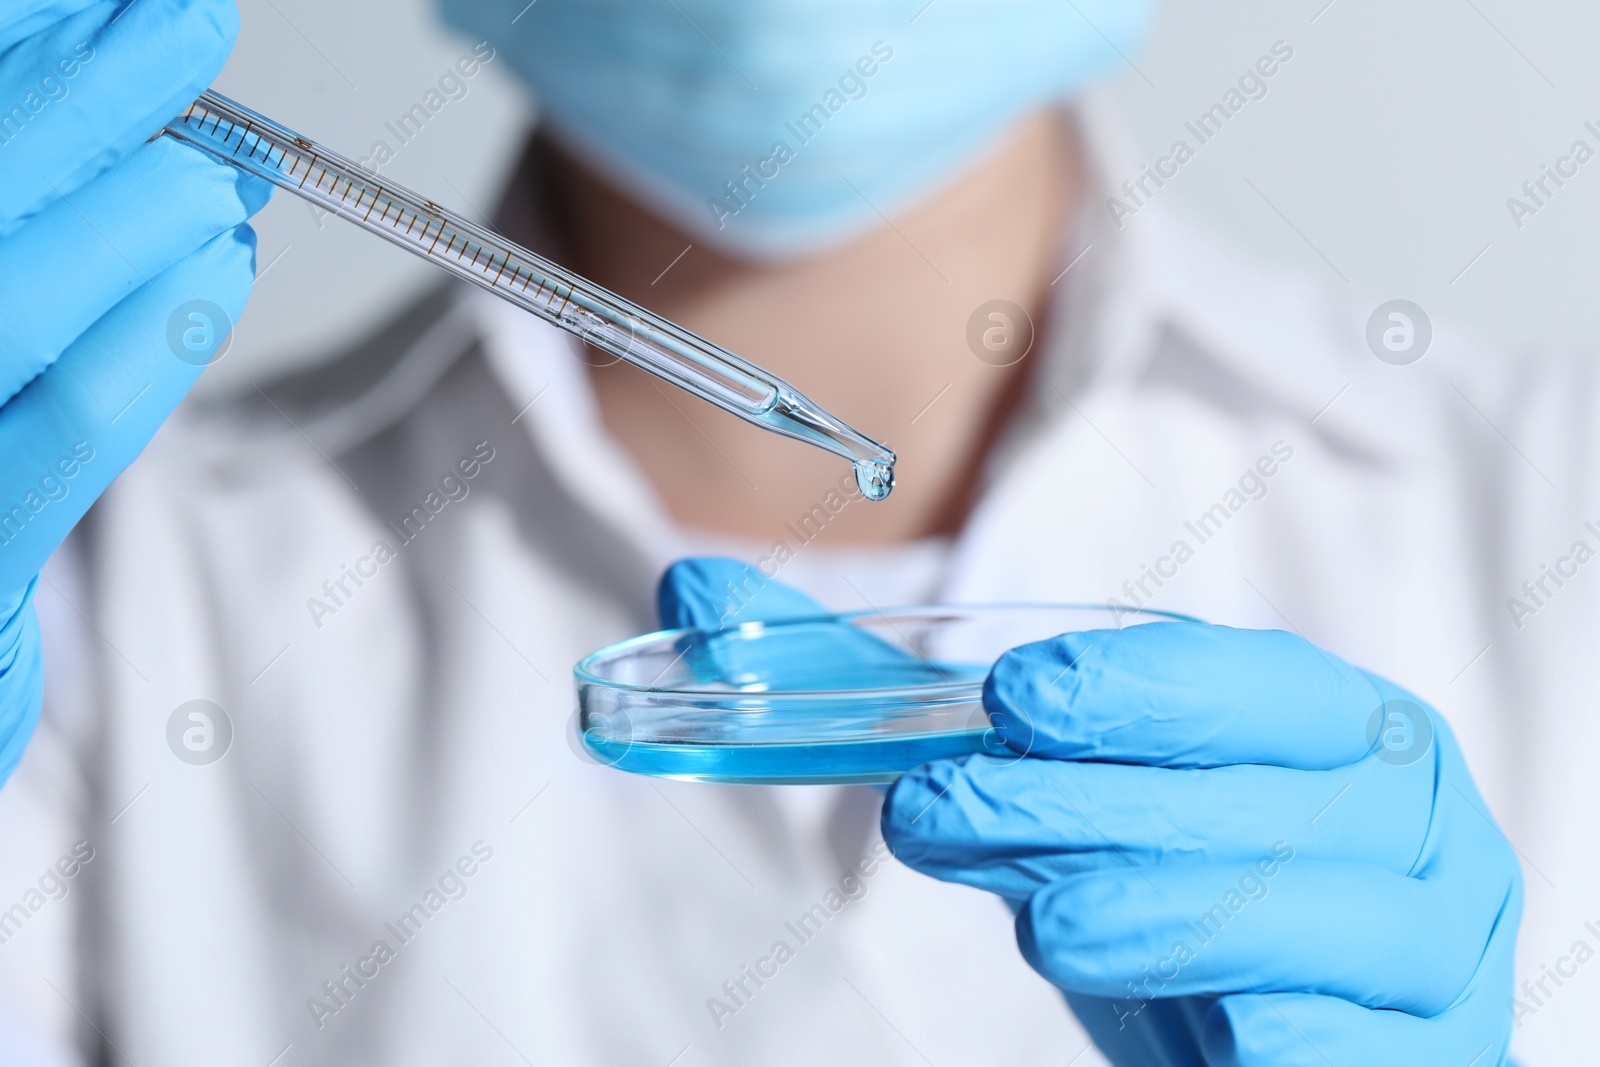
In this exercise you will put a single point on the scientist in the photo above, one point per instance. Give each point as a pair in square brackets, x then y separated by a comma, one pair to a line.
[301, 792]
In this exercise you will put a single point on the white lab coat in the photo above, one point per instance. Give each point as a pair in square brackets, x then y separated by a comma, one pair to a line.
[418, 729]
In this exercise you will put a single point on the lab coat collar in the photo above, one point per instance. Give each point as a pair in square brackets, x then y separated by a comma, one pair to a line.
[1129, 279]
[543, 371]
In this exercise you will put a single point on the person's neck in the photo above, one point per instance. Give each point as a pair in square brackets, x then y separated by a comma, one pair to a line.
[876, 332]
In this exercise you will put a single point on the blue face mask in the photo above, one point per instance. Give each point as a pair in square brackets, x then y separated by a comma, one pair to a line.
[776, 128]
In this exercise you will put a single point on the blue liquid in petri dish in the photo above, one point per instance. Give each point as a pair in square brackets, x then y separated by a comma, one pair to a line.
[823, 704]
[860, 697]
[868, 760]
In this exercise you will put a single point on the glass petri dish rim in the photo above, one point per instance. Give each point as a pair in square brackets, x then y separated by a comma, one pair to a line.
[584, 673]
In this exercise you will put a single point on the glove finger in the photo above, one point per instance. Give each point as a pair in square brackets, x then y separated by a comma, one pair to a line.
[20, 19]
[1158, 1033]
[1354, 931]
[1011, 826]
[714, 593]
[1311, 1030]
[1307, 1030]
[1182, 694]
[710, 592]
[110, 237]
[130, 75]
[74, 428]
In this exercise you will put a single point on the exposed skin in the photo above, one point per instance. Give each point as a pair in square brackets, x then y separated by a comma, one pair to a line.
[873, 331]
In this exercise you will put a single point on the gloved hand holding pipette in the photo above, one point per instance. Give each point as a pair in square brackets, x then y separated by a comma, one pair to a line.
[1226, 847]
[122, 267]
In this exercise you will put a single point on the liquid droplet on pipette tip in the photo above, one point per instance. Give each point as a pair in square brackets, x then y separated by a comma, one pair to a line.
[876, 480]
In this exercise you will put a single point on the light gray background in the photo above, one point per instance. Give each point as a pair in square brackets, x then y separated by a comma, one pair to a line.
[1379, 162]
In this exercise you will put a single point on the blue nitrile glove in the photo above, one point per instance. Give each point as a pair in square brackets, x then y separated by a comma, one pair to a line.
[1230, 848]
[119, 259]
[713, 593]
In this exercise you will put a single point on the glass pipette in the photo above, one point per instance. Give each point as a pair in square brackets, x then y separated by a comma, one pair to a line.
[597, 316]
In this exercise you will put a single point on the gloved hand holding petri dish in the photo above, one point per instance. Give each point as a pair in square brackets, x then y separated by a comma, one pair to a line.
[1132, 784]
[787, 693]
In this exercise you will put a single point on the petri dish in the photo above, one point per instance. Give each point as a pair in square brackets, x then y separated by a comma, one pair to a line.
[851, 698]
